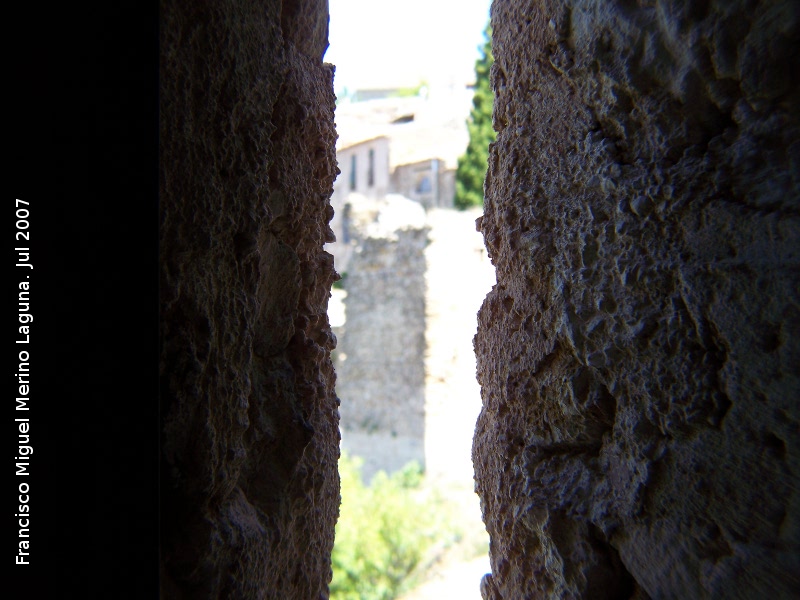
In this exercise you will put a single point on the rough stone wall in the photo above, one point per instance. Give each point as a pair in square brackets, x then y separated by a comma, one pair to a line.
[639, 355]
[250, 488]
[381, 357]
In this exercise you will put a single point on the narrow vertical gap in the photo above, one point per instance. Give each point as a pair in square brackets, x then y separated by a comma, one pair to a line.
[414, 274]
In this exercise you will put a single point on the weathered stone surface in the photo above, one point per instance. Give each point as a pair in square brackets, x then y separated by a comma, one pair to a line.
[639, 355]
[250, 489]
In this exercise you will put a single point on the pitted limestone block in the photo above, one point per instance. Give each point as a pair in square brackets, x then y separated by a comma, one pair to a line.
[250, 490]
[639, 436]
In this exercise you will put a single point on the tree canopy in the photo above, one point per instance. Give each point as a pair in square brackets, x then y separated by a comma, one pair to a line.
[471, 170]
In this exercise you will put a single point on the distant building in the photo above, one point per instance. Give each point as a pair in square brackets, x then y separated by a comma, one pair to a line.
[398, 145]
[428, 182]
[364, 170]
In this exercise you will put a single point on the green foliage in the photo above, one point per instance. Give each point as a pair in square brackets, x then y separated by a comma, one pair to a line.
[471, 170]
[339, 283]
[409, 92]
[384, 534]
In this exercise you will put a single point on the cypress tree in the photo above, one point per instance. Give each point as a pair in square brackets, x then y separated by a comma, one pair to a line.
[471, 170]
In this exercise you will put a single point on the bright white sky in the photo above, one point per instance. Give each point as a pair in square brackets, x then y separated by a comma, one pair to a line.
[398, 43]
